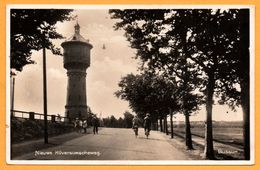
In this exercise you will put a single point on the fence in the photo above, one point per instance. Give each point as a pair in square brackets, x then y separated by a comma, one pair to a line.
[37, 116]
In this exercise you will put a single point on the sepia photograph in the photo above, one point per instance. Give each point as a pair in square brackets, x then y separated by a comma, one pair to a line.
[130, 85]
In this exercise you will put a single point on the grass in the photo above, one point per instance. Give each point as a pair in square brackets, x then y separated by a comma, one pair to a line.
[227, 138]
[231, 136]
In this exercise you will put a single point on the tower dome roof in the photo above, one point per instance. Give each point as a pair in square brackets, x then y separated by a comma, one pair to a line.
[76, 37]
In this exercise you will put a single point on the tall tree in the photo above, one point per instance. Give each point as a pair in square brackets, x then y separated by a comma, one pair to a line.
[113, 121]
[128, 117]
[236, 85]
[244, 75]
[33, 29]
[223, 47]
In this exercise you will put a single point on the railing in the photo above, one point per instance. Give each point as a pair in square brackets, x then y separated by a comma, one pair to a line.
[37, 116]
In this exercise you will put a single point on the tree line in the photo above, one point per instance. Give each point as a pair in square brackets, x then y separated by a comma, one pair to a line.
[189, 57]
[113, 122]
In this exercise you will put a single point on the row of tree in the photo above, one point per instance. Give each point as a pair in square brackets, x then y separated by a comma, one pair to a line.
[200, 53]
[160, 97]
[125, 122]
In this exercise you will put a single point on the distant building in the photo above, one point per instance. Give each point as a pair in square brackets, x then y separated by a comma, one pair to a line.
[76, 59]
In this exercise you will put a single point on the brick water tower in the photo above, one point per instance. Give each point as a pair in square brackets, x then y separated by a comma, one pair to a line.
[76, 60]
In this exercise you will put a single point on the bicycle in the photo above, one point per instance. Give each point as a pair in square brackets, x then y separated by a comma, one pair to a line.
[135, 128]
[147, 133]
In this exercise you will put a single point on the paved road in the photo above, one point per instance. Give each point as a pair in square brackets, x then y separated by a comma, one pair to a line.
[111, 144]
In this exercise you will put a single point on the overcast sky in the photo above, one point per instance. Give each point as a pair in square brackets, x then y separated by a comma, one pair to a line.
[106, 68]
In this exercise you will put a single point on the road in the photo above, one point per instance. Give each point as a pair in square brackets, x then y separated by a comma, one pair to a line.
[111, 144]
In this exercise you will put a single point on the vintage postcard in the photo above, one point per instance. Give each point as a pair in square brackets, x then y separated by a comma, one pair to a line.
[130, 84]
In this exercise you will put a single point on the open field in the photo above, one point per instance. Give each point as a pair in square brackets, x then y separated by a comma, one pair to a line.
[230, 136]
[228, 141]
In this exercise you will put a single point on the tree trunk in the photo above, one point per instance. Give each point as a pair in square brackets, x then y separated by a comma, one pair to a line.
[246, 119]
[161, 124]
[245, 79]
[188, 132]
[157, 125]
[208, 150]
[171, 123]
[166, 125]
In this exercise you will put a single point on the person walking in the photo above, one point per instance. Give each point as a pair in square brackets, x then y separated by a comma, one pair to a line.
[147, 125]
[77, 125]
[80, 126]
[85, 125]
[95, 124]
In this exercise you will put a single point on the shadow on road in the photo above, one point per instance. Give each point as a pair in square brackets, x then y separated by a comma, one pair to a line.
[155, 139]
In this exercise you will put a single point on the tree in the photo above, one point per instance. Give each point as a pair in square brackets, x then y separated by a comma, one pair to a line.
[244, 76]
[238, 64]
[106, 122]
[90, 115]
[33, 29]
[113, 121]
[226, 47]
[128, 117]
[148, 93]
[121, 123]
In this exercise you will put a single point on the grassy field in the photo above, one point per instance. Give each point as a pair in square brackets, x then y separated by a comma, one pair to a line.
[228, 138]
[231, 136]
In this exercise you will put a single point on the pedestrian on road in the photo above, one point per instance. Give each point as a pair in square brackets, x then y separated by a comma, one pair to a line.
[85, 125]
[78, 125]
[58, 118]
[147, 124]
[95, 124]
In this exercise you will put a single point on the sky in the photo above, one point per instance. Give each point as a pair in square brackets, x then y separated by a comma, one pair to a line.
[106, 69]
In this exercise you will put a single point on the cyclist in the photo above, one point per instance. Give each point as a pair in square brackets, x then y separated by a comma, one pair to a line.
[147, 124]
[135, 125]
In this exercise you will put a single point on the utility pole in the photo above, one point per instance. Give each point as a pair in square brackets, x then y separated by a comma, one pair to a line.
[13, 85]
[12, 109]
[45, 97]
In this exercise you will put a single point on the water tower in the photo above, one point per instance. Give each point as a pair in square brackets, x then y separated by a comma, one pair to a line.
[76, 60]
